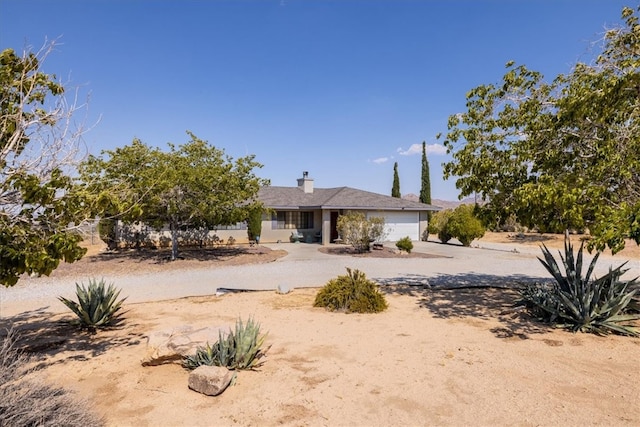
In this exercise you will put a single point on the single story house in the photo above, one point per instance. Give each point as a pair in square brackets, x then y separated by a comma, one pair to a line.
[313, 212]
[308, 213]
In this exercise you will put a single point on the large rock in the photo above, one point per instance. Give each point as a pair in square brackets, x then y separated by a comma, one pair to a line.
[171, 346]
[210, 380]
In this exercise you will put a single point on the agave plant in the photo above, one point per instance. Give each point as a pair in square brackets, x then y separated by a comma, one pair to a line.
[576, 302]
[97, 305]
[239, 349]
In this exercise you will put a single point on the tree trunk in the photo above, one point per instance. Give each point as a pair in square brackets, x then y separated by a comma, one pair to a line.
[174, 241]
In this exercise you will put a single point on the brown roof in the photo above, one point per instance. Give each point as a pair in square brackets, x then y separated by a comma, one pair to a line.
[335, 198]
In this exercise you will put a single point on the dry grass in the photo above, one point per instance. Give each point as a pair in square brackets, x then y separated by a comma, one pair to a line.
[27, 400]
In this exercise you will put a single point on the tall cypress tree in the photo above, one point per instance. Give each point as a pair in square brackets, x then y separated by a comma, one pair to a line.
[425, 190]
[395, 190]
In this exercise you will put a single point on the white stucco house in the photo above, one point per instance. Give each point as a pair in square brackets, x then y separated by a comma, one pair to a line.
[313, 212]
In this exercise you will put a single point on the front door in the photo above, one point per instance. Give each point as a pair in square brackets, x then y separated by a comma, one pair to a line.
[334, 226]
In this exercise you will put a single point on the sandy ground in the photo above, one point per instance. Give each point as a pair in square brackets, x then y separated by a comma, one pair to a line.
[435, 357]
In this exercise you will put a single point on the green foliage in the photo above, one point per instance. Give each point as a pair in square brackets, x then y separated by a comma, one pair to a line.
[577, 302]
[562, 154]
[425, 187]
[464, 225]
[107, 232]
[254, 223]
[97, 305]
[405, 244]
[438, 225]
[38, 200]
[395, 189]
[191, 186]
[239, 349]
[359, 231]
[26, 400]
[352, 293]
[22, 84]
[460, 223]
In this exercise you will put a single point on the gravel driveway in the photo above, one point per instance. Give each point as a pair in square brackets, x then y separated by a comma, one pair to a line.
[490, 265]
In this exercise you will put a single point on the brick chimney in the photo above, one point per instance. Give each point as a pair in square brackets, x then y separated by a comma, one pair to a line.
[305, 183]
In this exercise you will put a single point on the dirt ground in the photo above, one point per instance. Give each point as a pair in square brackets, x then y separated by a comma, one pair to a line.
[630, 251]
[457, 357]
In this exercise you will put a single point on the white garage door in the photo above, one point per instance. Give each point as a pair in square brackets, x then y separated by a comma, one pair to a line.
[400, 224]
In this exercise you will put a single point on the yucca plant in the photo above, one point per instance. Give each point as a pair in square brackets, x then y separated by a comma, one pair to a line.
[353, 293]
[239, 349]
[578, 303]
[98, 306]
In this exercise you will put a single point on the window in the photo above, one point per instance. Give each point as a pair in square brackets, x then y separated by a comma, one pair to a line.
[293, 220]
[236, 226]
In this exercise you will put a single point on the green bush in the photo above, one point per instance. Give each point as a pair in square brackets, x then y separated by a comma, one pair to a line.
[461, 223]
[27, 400]
[405, 244]
[464, 225]
[254, 223]
[438, 225]
[239, 349]
[578, 303]
[107, 232]
[97, 306]
[352, 293]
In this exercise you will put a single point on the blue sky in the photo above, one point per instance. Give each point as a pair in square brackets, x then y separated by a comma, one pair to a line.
[342, 89]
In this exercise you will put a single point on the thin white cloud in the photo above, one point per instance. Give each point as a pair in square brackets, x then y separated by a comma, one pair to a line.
[417, 149]
[436, 149]
[414, 149]
[380, 160]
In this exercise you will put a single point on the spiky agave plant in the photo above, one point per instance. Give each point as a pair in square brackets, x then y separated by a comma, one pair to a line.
[579, 303]
[241, 348]
[98, 305]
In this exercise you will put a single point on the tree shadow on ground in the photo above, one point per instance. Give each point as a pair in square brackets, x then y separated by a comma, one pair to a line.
[384, 252]
[54, 338]
[162, 256]
[480, 296]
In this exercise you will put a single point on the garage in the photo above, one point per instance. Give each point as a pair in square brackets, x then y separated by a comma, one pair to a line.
[399, 224]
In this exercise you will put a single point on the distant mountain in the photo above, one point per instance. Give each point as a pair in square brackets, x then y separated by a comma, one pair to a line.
[445, 204]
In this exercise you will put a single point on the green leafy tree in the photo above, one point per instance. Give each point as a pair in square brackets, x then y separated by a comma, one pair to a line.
[191, 186]
[38, 148]
[395, 190]
[558, 155]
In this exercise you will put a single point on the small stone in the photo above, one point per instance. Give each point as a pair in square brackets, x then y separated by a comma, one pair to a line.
[210, 380]
[283, 289]
[171, 346]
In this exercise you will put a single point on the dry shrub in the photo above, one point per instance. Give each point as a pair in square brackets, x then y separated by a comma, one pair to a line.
[26, 400]
[352, 293]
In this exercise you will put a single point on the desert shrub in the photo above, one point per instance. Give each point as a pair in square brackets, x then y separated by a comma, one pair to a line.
[97, 306]
[28, 401]
[576, 302]
[405, 244]
[438, 225]
[107, 232]
[352, 293]
[359, 231]
[510, 224]
[464, 225]
[239, 349]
